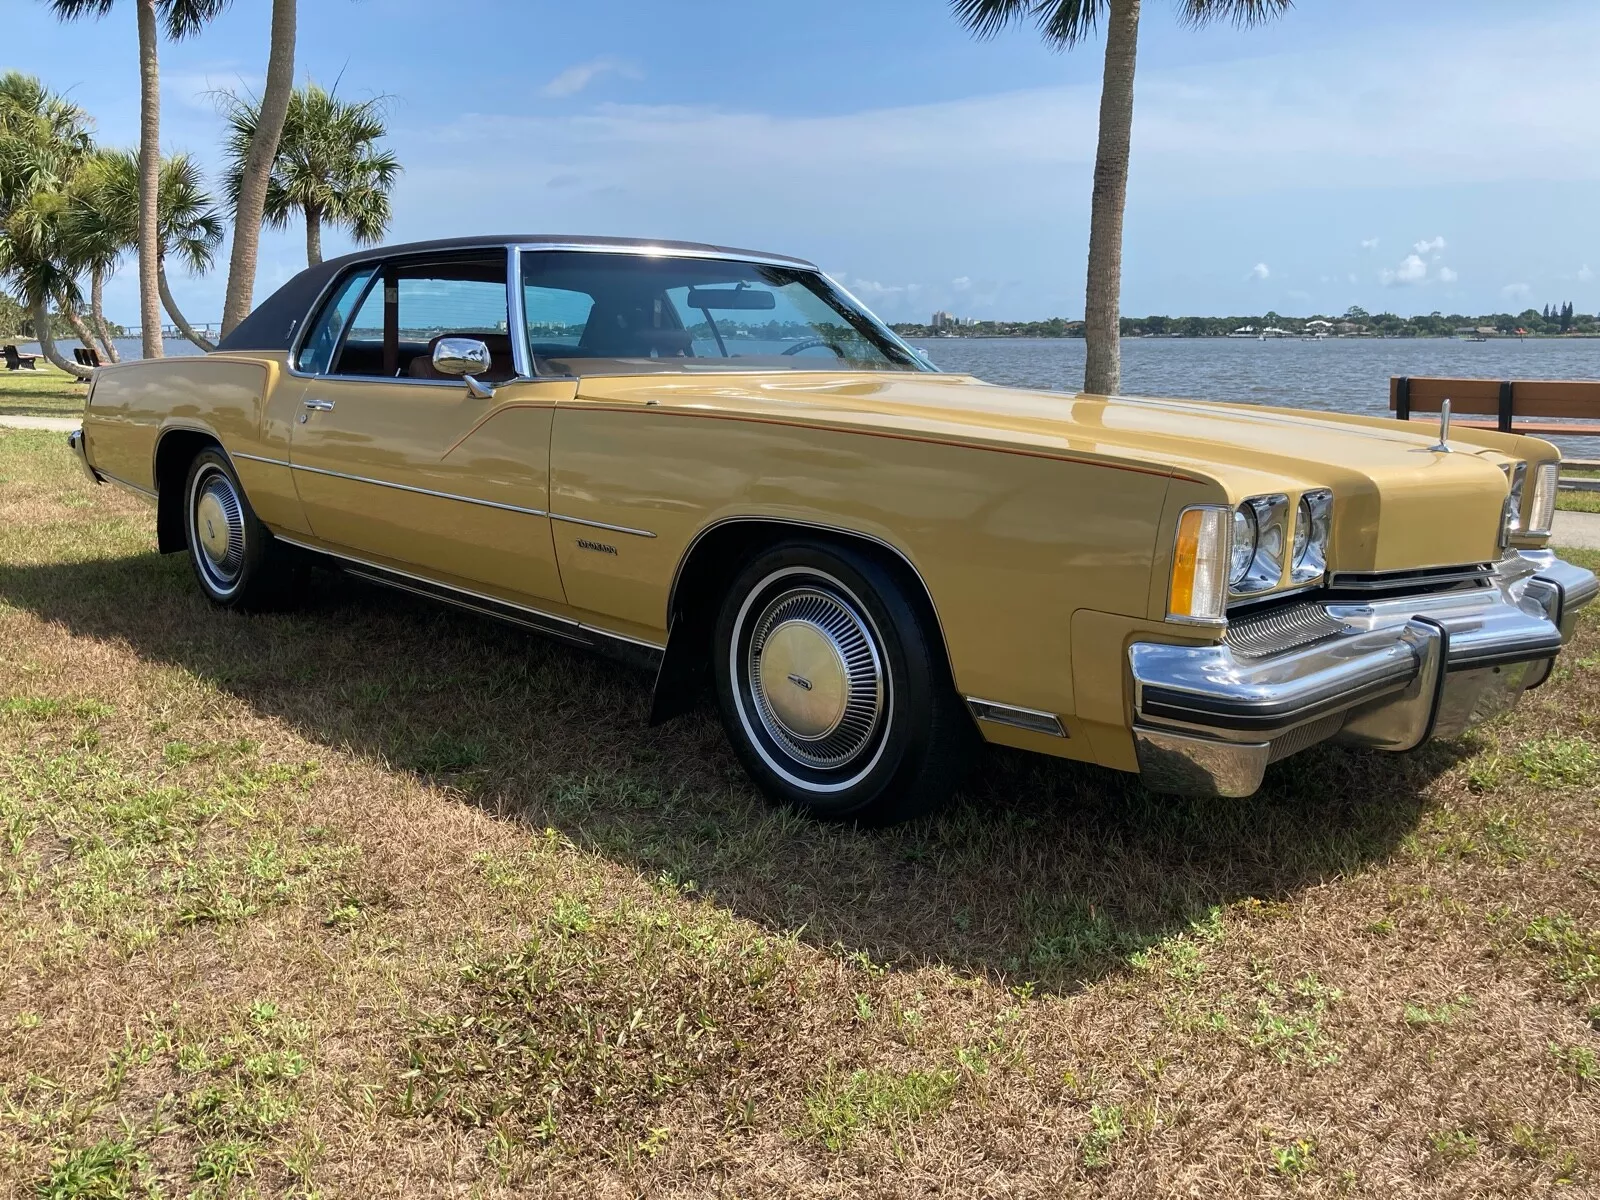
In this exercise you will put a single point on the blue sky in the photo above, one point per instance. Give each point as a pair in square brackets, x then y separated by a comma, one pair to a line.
[1406, 156]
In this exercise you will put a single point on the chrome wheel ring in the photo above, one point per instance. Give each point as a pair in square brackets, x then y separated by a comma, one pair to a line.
[216, 529]
[810, 681]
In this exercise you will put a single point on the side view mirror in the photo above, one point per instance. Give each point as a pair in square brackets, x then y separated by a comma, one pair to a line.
[466, 357]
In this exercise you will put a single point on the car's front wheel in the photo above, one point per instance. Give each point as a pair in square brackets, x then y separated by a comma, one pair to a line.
[833, 687]
[229, 548]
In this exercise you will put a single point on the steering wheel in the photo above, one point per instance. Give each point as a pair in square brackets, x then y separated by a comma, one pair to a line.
[812, 344]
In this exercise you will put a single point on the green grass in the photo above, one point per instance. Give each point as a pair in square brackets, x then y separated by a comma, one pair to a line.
[45, 392]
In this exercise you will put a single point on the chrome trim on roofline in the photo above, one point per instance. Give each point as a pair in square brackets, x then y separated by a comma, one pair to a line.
[654, 250]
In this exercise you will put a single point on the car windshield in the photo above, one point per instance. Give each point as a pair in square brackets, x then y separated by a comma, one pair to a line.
[592, 313]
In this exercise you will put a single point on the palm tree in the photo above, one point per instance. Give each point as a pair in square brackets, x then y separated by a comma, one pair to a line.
[44, 142]
[1064, 24]
[98, 227]
[252, 199]
[101, 222]
[181, 18]
[328, 169]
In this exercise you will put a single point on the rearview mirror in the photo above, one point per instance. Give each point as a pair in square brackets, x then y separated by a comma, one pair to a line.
[461, 356]
[743, 299]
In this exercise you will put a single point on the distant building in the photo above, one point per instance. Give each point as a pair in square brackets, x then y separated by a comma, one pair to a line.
[1318, 325]
[944, 320]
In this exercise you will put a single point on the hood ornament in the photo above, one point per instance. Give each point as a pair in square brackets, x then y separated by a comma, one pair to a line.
[1443, 446]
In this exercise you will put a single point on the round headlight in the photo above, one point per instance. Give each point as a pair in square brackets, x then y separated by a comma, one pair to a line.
[1303, 519]
[1244, 543]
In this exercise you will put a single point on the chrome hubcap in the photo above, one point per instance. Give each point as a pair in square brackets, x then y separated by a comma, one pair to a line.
[816, 677]
[217, 529]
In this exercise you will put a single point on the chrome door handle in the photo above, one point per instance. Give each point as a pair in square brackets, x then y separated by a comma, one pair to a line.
[320, 405]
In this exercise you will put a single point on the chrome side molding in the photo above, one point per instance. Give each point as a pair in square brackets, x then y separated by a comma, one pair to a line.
[1031, 719]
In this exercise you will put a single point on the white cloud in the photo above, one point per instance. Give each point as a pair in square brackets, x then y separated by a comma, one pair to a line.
[1411, 270]
[1585, 275]
[575, 78]
[962, 284]
[1516, 291]
[1317, 121]
[1429, 246]
[1446, 275]
[1260, 271]
[871, 287]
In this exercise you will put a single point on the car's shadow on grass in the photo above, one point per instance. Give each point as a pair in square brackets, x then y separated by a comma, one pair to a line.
[1042, 870]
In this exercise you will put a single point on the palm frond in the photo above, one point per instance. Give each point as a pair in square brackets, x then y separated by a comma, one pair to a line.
[1243, 13]
[183, 18]
[1063, 23]
[71, 10]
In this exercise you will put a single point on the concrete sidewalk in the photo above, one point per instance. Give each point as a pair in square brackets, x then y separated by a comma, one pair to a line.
[1578, 529]
[60, 424]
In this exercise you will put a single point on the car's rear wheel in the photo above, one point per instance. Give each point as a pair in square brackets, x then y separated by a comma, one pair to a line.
[833, 687]
[230, 550]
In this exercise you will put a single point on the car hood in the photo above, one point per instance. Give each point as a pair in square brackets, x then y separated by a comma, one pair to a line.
[1383, 473]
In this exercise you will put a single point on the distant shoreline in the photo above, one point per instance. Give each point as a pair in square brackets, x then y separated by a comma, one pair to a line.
[1223, 337]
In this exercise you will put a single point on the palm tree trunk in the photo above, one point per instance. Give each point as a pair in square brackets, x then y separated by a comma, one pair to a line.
[47, 342]
[78, 327]
[178, 319]
[149, 178]
[97, 280]
[1102, 372]
[253, 182]
[313, 236]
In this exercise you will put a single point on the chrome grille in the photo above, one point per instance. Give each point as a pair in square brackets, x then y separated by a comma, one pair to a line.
[1410, 579]
[1279, 630]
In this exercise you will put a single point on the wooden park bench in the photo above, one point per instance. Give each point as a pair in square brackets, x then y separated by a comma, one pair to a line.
[18, 362]
[85, 357]
[1510, 405]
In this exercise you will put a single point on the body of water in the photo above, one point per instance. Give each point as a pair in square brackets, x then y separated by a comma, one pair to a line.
[127, 347]
[1348, 375]
[1336, 375]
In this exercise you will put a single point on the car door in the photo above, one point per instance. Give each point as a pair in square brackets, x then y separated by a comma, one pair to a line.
[397, 463]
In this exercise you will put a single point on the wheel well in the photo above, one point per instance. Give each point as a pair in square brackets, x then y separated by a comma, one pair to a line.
[709, 569]
[174, 452]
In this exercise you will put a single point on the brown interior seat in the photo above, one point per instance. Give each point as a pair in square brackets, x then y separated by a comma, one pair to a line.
[501, 366]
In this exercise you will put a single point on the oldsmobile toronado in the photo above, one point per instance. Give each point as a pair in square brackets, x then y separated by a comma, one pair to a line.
[718, 465]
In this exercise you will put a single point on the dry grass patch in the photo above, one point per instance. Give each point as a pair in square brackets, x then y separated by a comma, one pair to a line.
[369, 898]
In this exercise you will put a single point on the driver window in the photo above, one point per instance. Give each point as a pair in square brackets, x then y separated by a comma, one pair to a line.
[413, 305]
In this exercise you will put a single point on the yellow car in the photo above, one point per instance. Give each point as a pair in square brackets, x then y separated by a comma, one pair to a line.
[717, 464]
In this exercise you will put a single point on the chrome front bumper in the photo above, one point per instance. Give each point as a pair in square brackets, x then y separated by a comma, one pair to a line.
[1386, 673]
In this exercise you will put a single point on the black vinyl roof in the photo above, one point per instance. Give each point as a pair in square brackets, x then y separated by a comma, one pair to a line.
[274, 322]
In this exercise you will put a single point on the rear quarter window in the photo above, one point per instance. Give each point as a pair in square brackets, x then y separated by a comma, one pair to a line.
[316, 352]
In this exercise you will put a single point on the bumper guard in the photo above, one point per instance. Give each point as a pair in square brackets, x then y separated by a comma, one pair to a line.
[1388, 673]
